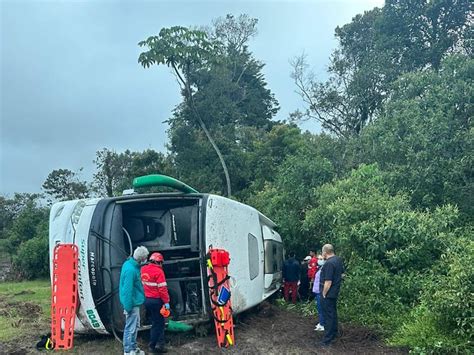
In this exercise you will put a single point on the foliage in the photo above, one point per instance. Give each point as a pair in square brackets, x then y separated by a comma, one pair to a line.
[389, 249]
[10, 208]
[425, 140]
[224, 93]
[27, 220]
[64, 184]
[371, 297]
[24, 236]
[443, 322]
[115, 171]
[360, 216]
[451, 296]
[374, 50]
[288, 198]
[184, 49]
[32, 258]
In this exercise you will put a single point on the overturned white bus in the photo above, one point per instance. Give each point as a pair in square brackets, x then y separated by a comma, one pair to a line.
[182, 226]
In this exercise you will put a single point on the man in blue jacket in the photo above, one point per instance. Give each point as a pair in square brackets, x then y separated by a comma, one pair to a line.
[291, 276]
[132, 297]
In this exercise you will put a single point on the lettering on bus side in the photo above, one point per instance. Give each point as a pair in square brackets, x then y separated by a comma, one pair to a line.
[82, 268]
[92, 268]
[91, 315]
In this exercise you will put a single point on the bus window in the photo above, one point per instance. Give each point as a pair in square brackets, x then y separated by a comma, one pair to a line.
[273, 256]
[253, 256]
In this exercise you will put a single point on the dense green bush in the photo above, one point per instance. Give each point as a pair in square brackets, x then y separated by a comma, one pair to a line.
[424, 142]
[24, 234]
[370, 296]
[361, 217]
[390, 249]
[288, 198]
[32, 259]
[444, 320]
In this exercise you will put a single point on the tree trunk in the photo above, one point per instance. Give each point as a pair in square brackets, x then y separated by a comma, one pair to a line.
[189, 99]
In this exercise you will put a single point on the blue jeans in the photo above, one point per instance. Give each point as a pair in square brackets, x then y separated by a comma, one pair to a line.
[319, 307]
[132, 323]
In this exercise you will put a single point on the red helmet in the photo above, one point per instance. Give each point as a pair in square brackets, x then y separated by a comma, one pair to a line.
[156, 257]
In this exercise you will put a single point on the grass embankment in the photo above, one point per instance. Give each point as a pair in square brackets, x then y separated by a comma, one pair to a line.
[24, 309]
[25, 317]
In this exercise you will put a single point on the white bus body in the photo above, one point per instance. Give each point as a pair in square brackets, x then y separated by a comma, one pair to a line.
[180, 226]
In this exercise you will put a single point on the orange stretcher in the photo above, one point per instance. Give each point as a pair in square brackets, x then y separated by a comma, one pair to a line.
[64, 295]
[219, 293]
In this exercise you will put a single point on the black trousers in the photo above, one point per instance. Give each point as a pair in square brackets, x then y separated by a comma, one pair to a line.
[157, 331]
[330, 318]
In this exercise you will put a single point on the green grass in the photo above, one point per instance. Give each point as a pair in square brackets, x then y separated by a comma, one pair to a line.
[20, 331]
[24, 309]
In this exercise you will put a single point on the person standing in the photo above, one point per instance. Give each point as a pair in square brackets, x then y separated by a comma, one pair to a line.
[291, 276]
[330, 285]
[317, 295]
[303, 290]
[132, 296]
[157, 296]
[312, 268]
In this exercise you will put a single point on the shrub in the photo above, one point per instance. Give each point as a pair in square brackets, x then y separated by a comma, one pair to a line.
[32, 259]
[370, 297]
[421, 333]
[290, 196]
[391, 252]
[444, 321]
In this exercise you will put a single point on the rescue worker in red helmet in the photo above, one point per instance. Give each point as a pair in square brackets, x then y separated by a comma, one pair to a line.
[156, 293]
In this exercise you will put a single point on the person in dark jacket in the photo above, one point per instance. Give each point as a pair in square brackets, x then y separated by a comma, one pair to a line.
[291, 276]
[303, 290]
[329, 285]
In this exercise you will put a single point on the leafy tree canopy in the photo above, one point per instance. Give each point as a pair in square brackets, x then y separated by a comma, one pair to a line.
[374, 50]
[64, 184]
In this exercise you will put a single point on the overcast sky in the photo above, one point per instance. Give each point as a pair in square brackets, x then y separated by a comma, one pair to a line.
[71, 84]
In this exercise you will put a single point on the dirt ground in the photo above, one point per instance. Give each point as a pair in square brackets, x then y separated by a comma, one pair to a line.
[272, 330]
[266, 330]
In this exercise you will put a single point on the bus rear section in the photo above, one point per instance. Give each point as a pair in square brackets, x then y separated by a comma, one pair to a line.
[170, 225]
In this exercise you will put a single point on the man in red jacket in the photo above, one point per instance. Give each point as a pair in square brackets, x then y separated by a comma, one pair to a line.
[312, 268]
[156, 293]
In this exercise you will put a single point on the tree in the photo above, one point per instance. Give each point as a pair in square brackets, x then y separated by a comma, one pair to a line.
[224, 94]
[10, 208]
[64, 184]
[25, 218]
[115, 171]
[424, 141]
[374, 50]
[287, 199]
[181, 48]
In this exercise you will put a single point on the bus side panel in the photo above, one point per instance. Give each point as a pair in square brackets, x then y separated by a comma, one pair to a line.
[236, 228]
